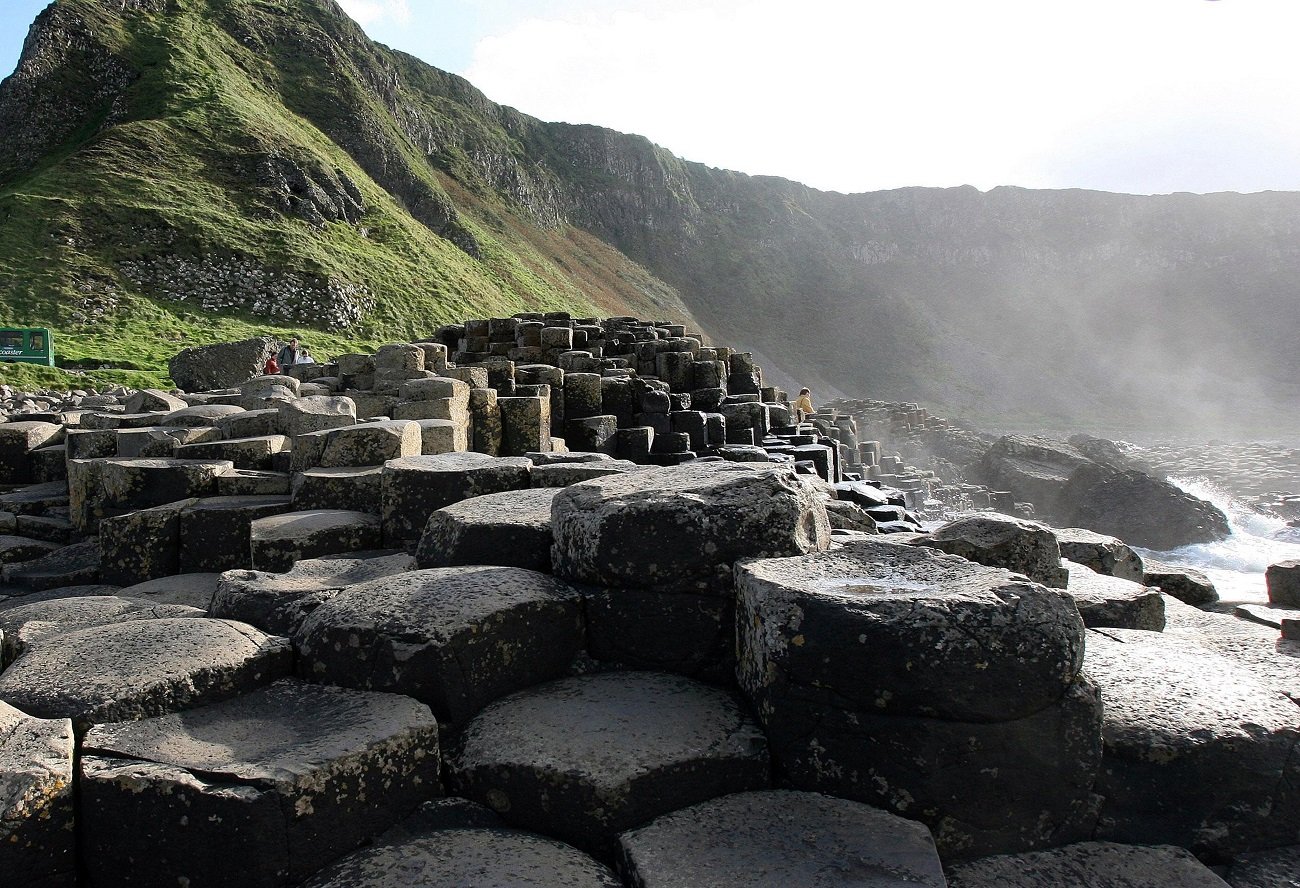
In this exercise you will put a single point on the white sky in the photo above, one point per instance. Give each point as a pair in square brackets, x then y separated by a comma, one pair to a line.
[1145, 96]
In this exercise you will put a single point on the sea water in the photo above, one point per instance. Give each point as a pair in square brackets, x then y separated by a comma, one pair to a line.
[1235, 565]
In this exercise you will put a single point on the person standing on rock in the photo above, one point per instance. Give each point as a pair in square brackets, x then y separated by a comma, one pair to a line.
[803, 406]
[288, 355]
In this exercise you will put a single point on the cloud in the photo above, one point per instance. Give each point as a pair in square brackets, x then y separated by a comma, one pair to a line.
[369, 12]
[858, 95]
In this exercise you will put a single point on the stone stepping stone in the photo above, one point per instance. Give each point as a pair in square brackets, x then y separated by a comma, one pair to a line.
[17, 596]
[35, 499]
[586, 758]
[511, 529]
[14, 549]
[215, 531]
[1104, 554]
[416, 487]
[278, 541]
[926, 684]
[564, 474]
[193, 589]
[1109, 602]
[199, 415]
[1277, 868]
[260, 790]
[28, 624]
[141, 668]
[278, 602]
[142, 545]
[457, 858]
[682, 528]
[100, 488]
[254, 453]
[37, 843]
[1092, 864]
[778, 839]
[74, 565]
[456, 638]
[1025, 547]
[1198, 750]
[364, 444]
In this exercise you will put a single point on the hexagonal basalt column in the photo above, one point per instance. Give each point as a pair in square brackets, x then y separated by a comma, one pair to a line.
[511, 528]
[414, 488]
[37, 843]
[586, 758]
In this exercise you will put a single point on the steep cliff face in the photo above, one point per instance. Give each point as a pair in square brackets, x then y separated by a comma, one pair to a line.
[159, 149]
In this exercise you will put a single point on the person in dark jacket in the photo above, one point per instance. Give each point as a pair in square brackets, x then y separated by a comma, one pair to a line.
[288, 355]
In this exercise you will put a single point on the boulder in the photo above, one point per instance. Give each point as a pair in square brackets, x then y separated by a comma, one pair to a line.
[194, 590]
[586, 758]
[277, 541]
[278, 602]
[1035, 469]
[780, 838]
[26, 625]
[141, 668]
[415, 487]
[1142, 510]
[354, 488]
[1283, 581]
[937, 688]
[17, 441]
[1025, 547]
[511, 529]
[37, 842]
[261, 790]
[1111, 602]
[1276, 868]
[225, 365]
[153, 401]
[456, 858]
[1187, 584]
[1198, 752]
[1104, 554]
[456, 638]
[1092, 864]
[681, 528]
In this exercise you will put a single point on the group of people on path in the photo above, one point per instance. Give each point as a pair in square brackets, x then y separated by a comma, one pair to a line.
[289, 354]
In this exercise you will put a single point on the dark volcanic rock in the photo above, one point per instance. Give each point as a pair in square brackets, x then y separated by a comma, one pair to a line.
[137, 669]
[1198, 752]
[1283, 581]
[456, 638]
[1141, 510]
[511, 528]
[1088, 865]
[224, 365]
[586, 758]
[261, 790]
[36, 806]
[1187, 584]
[1278, 868]
[781, 838]
[28, 624]
[278, 541]
[1025, 547]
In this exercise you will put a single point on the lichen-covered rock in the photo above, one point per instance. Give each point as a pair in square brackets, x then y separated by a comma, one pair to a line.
[260, 790]
[584, 759]
[456, 638]
[37, 842]
[141, 668]
[414, 488]
[17, 441]
[277, 541]
[1104, 554]
[682, 528]
[1276, 868]
[28, 624]
[1187, 584]
[780, 838]
[1111, 602]
[511, 528]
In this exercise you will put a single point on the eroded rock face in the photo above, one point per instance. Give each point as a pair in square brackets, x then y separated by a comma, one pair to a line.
[26, 625]
[1104, 554]
[682, 528]
[1141, 510]
[261, 790]
[1198, 752]
[1025, 547]
[580, 760]
[1283, 581]
[1111, 602]
[511, 528]
[779, 837]
[224, 365]
[1188, 585]
[456, 638]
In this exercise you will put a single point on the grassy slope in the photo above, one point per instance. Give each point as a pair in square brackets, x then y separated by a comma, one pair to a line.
[172, 179]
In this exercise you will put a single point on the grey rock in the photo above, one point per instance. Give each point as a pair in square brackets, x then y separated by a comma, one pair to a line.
[279, 540]
[682, 528]
[1111, 602]
[583, 759]
[1276, 868]
[1187, 584]
[193, 589]
[220, 366]
[1257, 649]
[511, 528]
[1090, 864]
[1198, 752]
[354, 488]
[37, 841]
[456, 638]
[414, 488]
[1283, 581]
[278, 602]
[778, 839]
[261, 790]
[1104, 554]
[28, 624]
[1141, 510]
[137, 669]
[77, 564]
[1025, 547]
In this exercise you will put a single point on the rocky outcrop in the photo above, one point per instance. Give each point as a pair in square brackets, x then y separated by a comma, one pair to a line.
[220, 366]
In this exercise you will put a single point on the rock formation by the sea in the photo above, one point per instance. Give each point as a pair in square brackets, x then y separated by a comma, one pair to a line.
[565, 600]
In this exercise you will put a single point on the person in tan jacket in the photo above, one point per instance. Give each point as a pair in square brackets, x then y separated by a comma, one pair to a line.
[803, 407]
